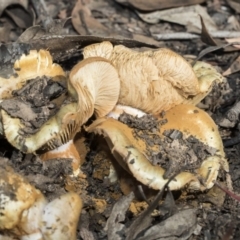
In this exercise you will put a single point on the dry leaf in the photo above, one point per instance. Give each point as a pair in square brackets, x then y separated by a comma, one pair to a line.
[114, 225]
[84, 23]
[235, 67]
[232, 40]
[5, 3]
[20, 17]
[180, 226]
[235, 5]
[186, 16]
[152, 5]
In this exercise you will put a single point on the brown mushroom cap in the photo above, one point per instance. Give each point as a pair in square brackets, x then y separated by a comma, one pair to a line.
[194, 121]
[130, 152]
[153, 81]
[94, 83]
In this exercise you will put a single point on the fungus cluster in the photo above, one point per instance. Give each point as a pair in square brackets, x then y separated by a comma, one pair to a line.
[109, 81]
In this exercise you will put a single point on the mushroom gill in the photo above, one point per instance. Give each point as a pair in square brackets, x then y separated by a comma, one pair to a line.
[131, 152]
[94, 86]
[158, 80]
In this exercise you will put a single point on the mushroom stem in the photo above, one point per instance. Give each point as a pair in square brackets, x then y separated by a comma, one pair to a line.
[67, 150]
[119, 109]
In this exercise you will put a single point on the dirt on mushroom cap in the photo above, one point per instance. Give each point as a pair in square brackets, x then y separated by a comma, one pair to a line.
[132, 152]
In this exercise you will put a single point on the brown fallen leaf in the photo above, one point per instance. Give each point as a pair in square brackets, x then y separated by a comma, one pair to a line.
[185, 16]
[235, 5]
[84, 23]
[235, 67]
[5, 3]
[232, 40]
[152, 5]
[20, 16]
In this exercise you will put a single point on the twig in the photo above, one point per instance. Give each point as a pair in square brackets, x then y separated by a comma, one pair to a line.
[133, 232]
[42, 12]
[231, 194]
[185, 36]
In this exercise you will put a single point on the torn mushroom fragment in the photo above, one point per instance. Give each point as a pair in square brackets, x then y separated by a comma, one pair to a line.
[26, 213]
[158, 80]
[93, 87]
[29, 66]
[132, 152]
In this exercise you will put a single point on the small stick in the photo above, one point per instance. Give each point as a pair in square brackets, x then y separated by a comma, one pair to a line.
[231, 194]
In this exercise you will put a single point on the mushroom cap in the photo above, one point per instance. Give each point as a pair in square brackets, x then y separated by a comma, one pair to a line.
[131, 152]
[207, 76]
[60, 217]
[95, 84]
[196, 122]
[25, 212]
[55, 132]
[16, 197]
[153, 81]
[35, 64]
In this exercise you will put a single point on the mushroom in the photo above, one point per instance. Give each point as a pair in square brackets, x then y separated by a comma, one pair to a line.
[27, 67]
[153, 81]
[131, 152]
[94, 87]
[27, 214]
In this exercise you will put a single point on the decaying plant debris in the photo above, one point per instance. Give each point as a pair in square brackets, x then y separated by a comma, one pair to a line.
[116, 203]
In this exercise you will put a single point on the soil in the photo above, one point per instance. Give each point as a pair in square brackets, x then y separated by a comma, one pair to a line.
[110, 209]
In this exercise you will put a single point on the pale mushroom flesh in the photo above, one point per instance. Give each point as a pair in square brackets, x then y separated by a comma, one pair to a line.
[26, 213]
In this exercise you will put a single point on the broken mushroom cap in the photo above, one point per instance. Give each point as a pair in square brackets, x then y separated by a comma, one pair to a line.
[26, 214]
[16, 197]
[131, 152]
[52, 140]
[152, 81]
[193, 121]
[35, 64]
[60, 217]
[95, 85]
